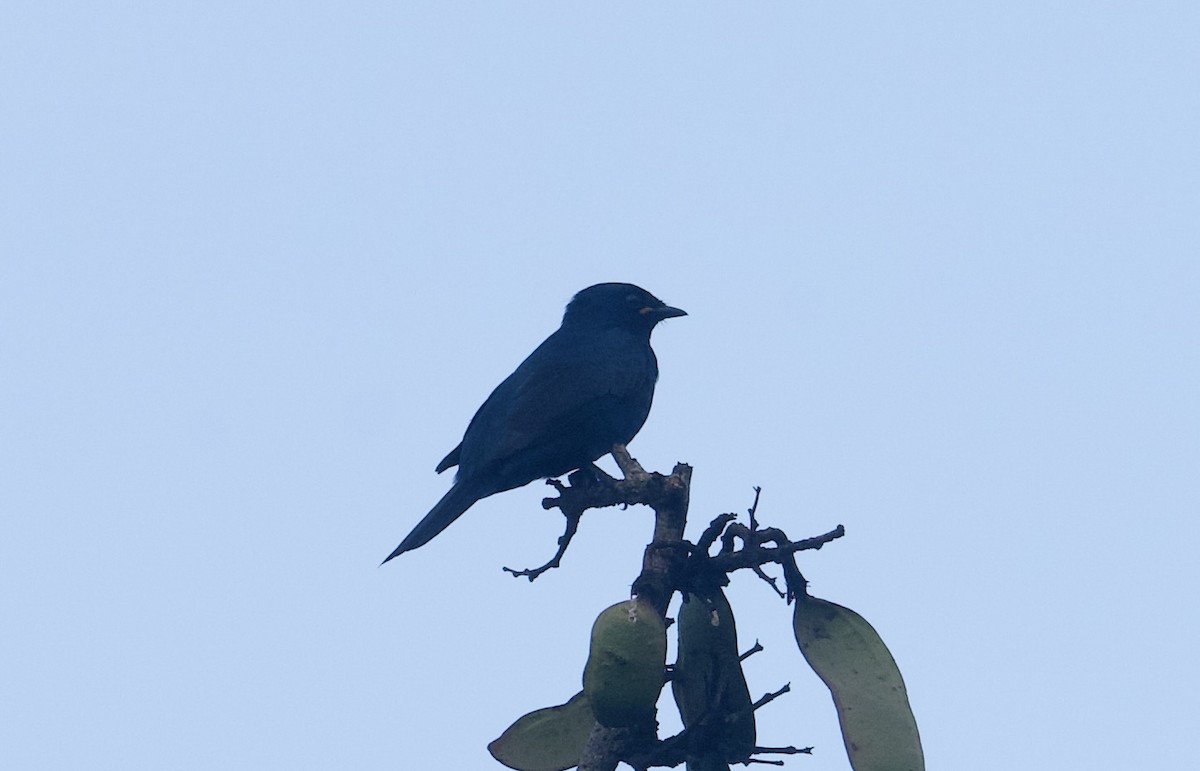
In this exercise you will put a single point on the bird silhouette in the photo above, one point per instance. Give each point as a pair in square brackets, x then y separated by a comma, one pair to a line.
[586, 388]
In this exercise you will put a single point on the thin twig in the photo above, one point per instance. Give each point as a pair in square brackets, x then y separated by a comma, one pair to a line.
[783, 751]
[772, 582]
[751, 556]
[756, 649]
[754, 508]
[770, 697]
[713, 531]
[564, 541]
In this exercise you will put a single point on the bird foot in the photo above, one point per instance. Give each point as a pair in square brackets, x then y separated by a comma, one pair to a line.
[590, 475]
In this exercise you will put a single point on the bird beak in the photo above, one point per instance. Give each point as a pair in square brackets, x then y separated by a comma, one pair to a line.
[663, 312]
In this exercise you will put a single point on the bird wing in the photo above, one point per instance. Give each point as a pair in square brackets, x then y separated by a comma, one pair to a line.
[568, 384]
[451, 459]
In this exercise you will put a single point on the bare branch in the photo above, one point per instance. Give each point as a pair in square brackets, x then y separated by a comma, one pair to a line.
[627, 463]
[770, 697]
[591, 488]
[753, 510]
[713, 531]
[783, 751]
[772, 582]
[564, 541]
[756, 649]
[751, 556]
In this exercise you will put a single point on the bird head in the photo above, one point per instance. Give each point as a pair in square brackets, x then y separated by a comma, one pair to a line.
[618, 304]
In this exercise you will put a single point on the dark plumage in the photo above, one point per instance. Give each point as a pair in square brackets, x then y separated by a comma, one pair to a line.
[586, 388]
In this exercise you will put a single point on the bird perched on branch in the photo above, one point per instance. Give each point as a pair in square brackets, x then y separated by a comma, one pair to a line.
[586, 388]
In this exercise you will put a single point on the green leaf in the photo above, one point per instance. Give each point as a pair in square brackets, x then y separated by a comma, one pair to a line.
[625, 664]
[847, 653]
[709, 686]
[550, 739]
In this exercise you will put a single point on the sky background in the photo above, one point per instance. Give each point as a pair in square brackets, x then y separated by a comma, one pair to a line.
[261, 263]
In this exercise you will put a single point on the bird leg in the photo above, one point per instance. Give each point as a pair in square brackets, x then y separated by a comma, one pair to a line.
[590, 475]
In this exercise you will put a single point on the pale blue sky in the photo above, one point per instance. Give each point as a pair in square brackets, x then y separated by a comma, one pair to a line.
[261, 262]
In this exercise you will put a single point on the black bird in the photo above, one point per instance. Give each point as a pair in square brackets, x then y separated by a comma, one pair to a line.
[586, 388]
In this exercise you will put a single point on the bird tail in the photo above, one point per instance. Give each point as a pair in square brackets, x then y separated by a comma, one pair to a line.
[456, 500]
